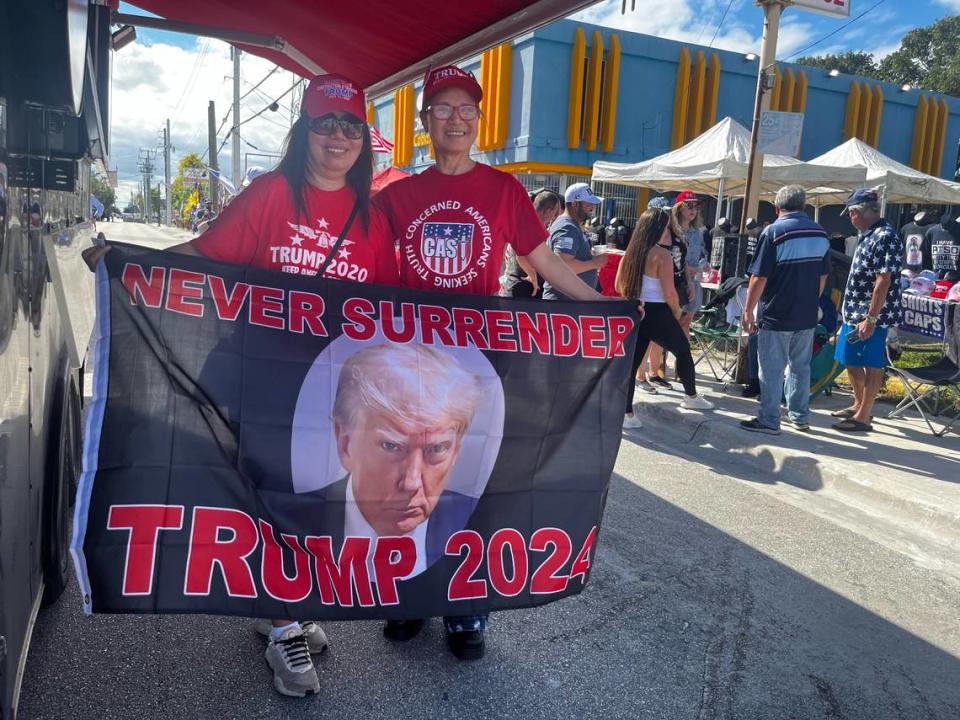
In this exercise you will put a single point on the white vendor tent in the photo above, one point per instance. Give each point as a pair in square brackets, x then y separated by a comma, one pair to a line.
[715, 163]
[896, 182]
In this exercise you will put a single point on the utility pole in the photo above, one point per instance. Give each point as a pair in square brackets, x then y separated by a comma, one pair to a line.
[166, 170]
[768, 53]
[145, 165]
[235, 132]
[212, 130]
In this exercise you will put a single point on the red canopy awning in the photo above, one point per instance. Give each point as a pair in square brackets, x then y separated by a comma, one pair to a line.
[381, 44]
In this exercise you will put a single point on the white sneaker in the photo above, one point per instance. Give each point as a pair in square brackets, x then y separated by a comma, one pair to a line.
[293, 671]
[696, 402]
[316, 637]
[631, 422]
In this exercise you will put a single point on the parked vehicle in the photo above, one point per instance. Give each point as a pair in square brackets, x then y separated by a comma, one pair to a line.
[54, 65]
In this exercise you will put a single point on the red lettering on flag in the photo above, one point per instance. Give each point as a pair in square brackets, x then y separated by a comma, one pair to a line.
[306, 310]
[501, 331]
[534, 333]
[143, 523]
[592, 331]
[468, 323]
[207, 551]
[262, 301]
[185, 286]
[435, 320]
[393, 559]
[620, 328]
[566, 331]
[228, 306]
[360, 324]
[407, 327]
[339, 578]
[150, 291]
[276, 582]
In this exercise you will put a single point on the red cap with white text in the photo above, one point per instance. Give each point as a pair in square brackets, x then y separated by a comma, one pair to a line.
[448, 76]
[333, 93]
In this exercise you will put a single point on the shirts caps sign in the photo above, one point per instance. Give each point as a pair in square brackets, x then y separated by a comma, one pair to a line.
[834, 8]
[779, 133]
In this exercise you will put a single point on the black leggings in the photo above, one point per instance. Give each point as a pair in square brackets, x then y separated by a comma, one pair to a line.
[659, 326]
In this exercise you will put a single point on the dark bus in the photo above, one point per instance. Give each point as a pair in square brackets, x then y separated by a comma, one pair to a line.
[54, 95]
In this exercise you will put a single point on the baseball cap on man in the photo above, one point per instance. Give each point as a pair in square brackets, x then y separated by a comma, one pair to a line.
[659, 202]
[580, 192]
[333, 93]
[859, 197]
[449, 76]
[687, 196]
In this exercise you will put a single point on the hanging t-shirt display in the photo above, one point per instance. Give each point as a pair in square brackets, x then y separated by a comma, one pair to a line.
[260, 228]
[452, 230]
[912, 235]
[944, 243]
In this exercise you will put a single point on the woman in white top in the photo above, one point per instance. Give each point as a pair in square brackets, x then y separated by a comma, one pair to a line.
[646, 273]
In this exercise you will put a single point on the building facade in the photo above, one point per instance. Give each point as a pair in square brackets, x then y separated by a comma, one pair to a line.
[568, 94]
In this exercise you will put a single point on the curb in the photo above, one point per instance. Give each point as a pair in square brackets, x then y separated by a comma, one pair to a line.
[887, 498]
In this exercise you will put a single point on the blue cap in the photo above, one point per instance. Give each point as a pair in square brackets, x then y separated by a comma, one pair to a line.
[659, 203]
[859, 197]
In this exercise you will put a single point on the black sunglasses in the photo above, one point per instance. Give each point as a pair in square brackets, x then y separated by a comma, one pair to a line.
[328, 124]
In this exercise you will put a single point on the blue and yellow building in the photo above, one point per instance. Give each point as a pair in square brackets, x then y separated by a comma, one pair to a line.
[564, 96]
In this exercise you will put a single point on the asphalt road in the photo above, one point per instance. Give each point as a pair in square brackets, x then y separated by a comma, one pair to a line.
[718, 591]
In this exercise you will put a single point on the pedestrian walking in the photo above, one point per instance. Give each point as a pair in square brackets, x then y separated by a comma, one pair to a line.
[871, 306]
[788, 275]
[646, 274]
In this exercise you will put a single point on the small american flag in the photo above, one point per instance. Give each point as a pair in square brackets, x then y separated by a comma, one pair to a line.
[378, 142]
[447, 247]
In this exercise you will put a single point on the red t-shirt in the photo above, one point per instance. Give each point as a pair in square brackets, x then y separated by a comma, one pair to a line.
[452, 230]
[260, 228]
[608, 275]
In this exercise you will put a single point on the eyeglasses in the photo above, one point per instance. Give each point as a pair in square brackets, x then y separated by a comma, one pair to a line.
[442, 111]
[327, 125]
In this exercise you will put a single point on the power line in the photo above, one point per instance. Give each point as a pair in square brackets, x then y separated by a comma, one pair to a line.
[267, 107]
[720, 24]
[275, 68]
[829, 35]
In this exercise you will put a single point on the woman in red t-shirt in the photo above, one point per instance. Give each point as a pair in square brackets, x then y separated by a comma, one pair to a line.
[290, 220]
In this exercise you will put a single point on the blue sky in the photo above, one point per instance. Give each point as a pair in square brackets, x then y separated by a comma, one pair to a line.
[170, 75]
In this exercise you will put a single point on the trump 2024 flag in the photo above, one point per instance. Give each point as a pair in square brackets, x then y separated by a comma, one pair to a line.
[274, 445]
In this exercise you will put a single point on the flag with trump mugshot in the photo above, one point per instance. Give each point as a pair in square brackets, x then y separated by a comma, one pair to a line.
[276, 445]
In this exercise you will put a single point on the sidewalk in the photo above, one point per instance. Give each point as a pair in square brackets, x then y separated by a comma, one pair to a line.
[898, 473]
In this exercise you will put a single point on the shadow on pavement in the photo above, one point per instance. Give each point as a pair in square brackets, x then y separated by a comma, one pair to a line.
[679, 620]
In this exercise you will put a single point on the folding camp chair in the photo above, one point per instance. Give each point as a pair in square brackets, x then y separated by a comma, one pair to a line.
[936, 377]
[718, 341]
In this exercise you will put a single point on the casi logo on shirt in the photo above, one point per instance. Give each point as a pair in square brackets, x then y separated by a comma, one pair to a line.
[447, 247]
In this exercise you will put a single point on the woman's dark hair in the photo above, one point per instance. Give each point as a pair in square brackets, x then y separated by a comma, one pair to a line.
[293, 166]
[649, 228]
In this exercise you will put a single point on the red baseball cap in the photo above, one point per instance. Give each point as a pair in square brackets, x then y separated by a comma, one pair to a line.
[448, 76]
[333, 93]
[687, 196]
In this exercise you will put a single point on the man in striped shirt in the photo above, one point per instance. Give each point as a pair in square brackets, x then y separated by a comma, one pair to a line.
[788, 275]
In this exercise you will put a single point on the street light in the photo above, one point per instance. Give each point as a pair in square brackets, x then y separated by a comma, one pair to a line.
[906, 87]
[833, 73]
[750, 57]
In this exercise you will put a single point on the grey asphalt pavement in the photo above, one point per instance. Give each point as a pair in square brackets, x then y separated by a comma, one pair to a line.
[716, 593]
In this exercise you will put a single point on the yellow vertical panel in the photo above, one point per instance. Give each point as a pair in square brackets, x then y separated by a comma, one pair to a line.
[876, 110]
[939, 138]
[712, 93]
[483, 125]
[933, 123]
[777, 88]
[577, 56]
[490, 138]
[681, 95]
[866, 107]
[919, 133]
[591, 123]
[643, 197]
[853, 111]
[789, 87]
[503, 94]
[408, 102]
[397, 127]
[611, 90]
[371, 113]
[800, 101]
[695, 110]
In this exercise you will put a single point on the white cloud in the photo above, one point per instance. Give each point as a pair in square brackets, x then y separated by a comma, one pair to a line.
[687, 21]
[153, 82]
[951, 4]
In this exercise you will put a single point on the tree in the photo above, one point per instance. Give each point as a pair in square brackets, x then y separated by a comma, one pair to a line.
[852, 62]
[180, 189]
[105, 194]
[928, 57]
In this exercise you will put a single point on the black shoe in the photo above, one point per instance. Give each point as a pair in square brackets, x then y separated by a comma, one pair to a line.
[466, 645]
[402, 630]
[751, 390]
[657, 380]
